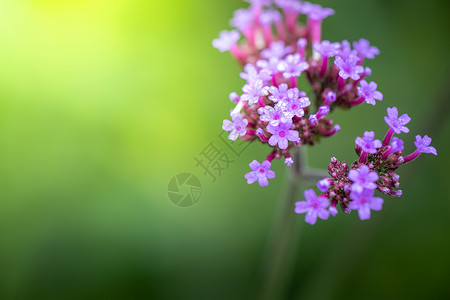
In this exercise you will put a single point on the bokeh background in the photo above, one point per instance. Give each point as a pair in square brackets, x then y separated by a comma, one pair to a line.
[102, 102]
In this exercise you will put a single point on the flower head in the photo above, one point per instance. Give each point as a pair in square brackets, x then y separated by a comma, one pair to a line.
[364, 201]
[367, 143]
[365, 50]
[369, 92]
[236, 127]
[423, 145]
[281, 134]
[292, 66]
[327, 49]
[313, 207]
[269, 66]
[363, 178]
[260, 172]
[395, 122]
[226, 40]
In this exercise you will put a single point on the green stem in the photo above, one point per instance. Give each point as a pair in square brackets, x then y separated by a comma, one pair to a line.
[278, 261]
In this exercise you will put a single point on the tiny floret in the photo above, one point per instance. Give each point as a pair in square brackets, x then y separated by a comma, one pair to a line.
[363, 178]
[313, 207]
[368, 143]
[364, 201]
[226, 40]
[253, 92]
[327, 49]
[395, 122]
[292, 66]
[348, 67]
[323, 184]
[369, 92]
[235, 127]
[277, 49]
[365, 50]
[260, 172]
[281, 134]
[423, 145]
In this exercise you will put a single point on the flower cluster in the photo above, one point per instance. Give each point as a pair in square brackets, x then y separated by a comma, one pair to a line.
[276, 50]
[353, 187]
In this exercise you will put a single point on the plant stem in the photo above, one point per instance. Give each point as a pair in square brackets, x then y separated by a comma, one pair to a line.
[278, 265]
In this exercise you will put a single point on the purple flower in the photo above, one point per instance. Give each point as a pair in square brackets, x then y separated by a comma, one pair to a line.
[348, 67]
[292, 66]
[423, 145]
[369, 92]
[324, 184]
[236, 128]
[288, 161]
[242, 19]
[253, 92]
[260, 172]
[363, 178]
[367, 143]
[327, 49]
[226, 40]
[234, 97]
[276, 49]
[364, 201]
[396, 145]
[281, 134]
[269, 66]
[395, 122]
[294, 107]
[365, 50]
[278, 93]
[251, 74]
[313, 207]
[269, 17]
[289, 5]
[272, 115]
[302, 43]
[330, 96]
[316, 12]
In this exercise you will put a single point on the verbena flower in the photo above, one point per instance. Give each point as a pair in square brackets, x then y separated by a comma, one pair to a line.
[281, 134]
[260, 172]
[235, 127]
[292, 66]
[368, 143]
[365, 50]
[253, 92]
[364, 201]
[369, 92]
[226, 40]
[362, 178]
[395, 122]
[313, 207]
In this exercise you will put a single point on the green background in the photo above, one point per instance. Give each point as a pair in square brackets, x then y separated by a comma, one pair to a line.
[103, 102]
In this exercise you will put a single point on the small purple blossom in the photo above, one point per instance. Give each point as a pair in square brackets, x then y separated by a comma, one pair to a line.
[260, 172]
[276, 49]
[272, 115]
[365, 50]
[226, 40]
[348, 67]
[423, 145]
[294, 107]
[236, 128]
[278, 93]
[324, 184]
[364, 201]
[242, 19]
[367, 143]
[363, 178]
[327, 49]
[330, 96]
[281, 134]
[234, 97]
[288, 161]
[316, 12]
[289, 5]
[396, 145]
[292, 66]
[269, 17]
[269, 66]
[313, 207]
[302, 43]
[253, 92]
[395, 122]
[251, 74]
[369, 92]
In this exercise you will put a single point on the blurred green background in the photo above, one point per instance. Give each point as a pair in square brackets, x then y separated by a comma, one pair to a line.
[102, 102]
